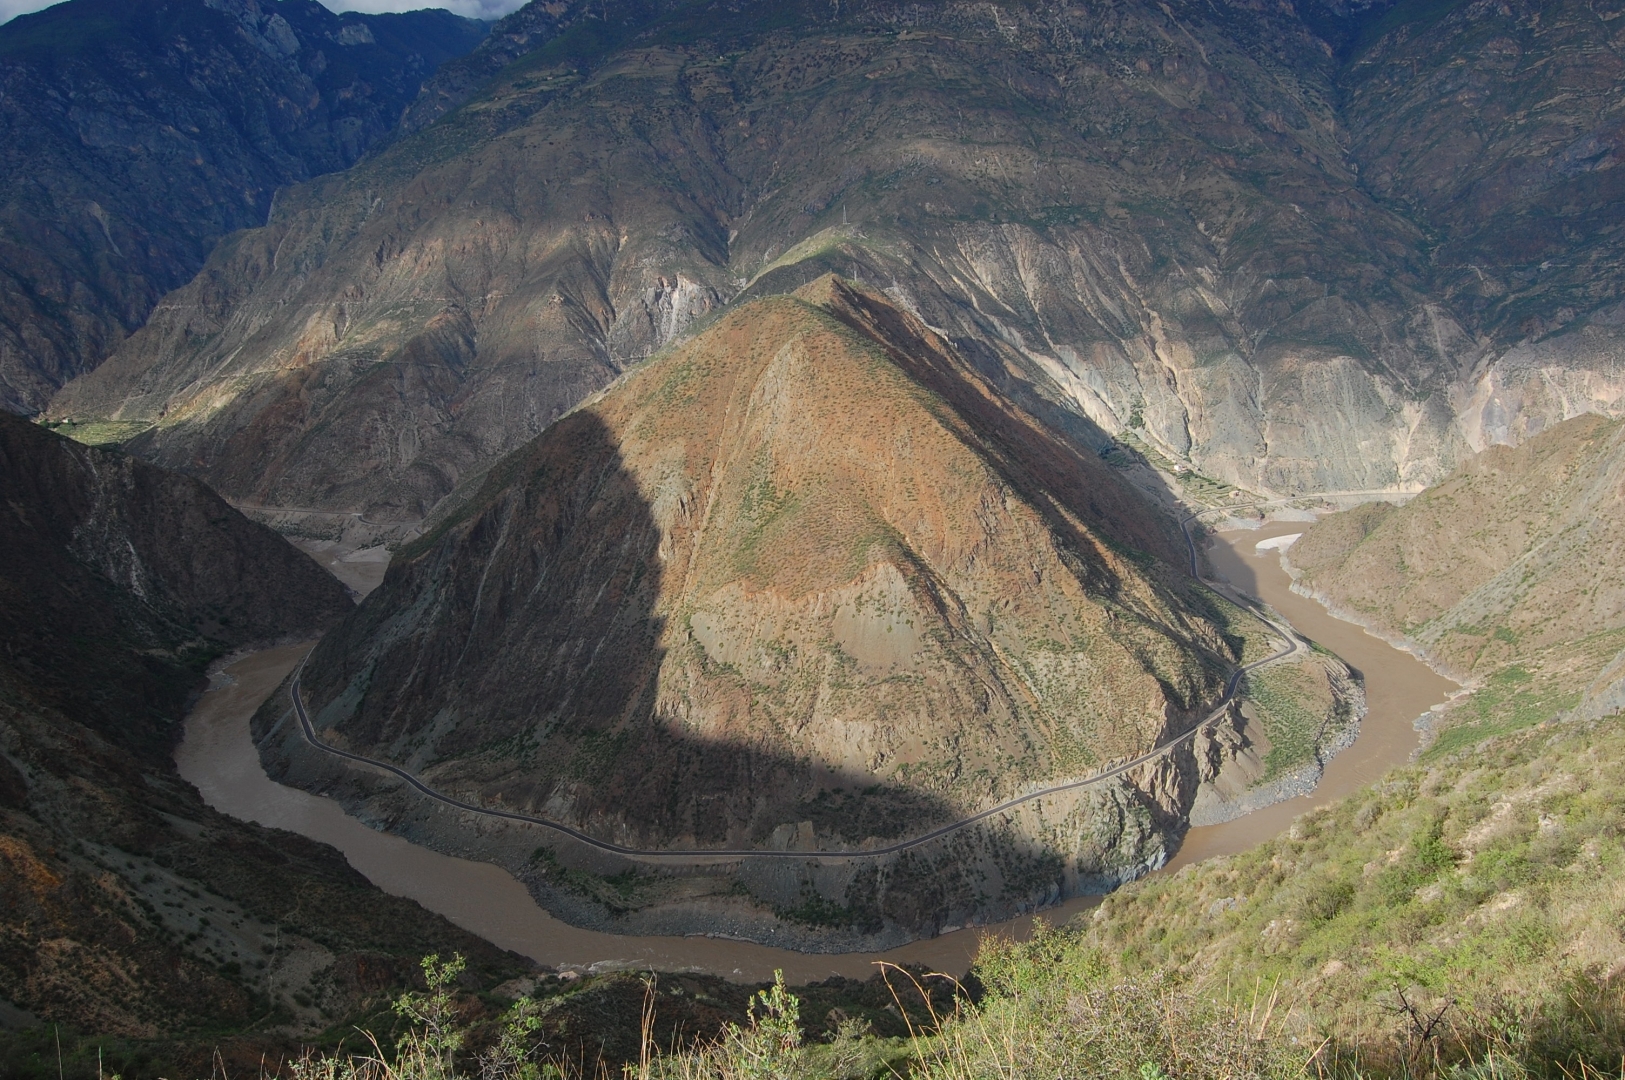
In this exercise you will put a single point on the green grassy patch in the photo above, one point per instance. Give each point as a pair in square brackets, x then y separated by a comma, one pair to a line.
[100, 432]
[1294, 706]
[1513, 698]
[1483, 882]
[595, 756]
[619, 893]
[811, 909]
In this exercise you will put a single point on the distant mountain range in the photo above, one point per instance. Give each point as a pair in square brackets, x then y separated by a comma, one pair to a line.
[134, 135]
[1330, 247]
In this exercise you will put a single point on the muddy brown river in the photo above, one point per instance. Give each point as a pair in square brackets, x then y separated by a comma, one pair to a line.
[218, 756]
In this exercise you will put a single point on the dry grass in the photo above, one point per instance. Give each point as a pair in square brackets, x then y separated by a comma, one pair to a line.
[1051, 1008]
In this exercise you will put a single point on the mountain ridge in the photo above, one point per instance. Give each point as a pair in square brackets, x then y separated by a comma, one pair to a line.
[136, 135]
[689, 214]
[1173, 228]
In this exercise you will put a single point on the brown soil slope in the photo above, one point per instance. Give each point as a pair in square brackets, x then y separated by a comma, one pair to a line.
[1505, 575]
[805, 579]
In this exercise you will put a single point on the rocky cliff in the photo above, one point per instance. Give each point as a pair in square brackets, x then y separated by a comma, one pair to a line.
[807, 581]
[1146, 221]
[127, 907]
[1495, 127]
[134, 135]
[1338, 248]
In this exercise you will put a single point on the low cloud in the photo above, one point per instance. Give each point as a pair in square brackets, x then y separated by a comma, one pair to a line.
[10, 9]
[473, 9]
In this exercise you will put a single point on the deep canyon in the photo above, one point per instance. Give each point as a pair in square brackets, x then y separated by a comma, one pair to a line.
[726, 485]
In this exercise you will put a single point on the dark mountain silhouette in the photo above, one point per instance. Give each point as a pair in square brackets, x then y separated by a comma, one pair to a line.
[120, 581]
[136, 133]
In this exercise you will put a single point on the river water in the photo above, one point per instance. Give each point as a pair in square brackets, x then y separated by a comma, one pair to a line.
[1398, 689]
[219, 757]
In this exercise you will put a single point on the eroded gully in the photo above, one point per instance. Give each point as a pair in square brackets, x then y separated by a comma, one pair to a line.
[219, 757]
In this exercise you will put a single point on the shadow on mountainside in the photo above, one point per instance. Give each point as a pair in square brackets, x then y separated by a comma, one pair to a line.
[514, 655]
[121, 580]
[129, 908]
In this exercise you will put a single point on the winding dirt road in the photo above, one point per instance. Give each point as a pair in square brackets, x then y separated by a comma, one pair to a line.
[1295, 645]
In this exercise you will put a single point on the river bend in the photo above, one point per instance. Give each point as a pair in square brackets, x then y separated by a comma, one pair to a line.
[218, 755]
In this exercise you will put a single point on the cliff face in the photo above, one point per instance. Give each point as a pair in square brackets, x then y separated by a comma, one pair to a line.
[128, 907]
[1496, 128]
[135, 135]
[1138, 219]
[806, 580]
[1337, 248]
[1505, 575]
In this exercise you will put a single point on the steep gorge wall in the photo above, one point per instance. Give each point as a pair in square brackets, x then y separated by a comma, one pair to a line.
[134, 136]
[128, 907]
[1144, 220]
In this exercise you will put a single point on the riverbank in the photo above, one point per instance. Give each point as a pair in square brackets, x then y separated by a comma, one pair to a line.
[1399, 690]
[219, 756]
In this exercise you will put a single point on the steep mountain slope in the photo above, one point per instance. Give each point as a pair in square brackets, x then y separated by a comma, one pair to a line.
[135, 135]
[1497, 127]
[1136, 219]
[127, 906]
[1509, 161]
[806, 580]
[582, 24]
[1480, 887]
[1506, 575]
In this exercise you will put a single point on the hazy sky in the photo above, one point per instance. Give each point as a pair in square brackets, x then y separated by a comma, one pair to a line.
[474, 9]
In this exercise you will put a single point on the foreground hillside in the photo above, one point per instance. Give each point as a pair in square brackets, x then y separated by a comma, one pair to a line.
[128, 909]
[133, 135]
[805, 582]
[1478, 887]
[1458, 920]
[1201, 229]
